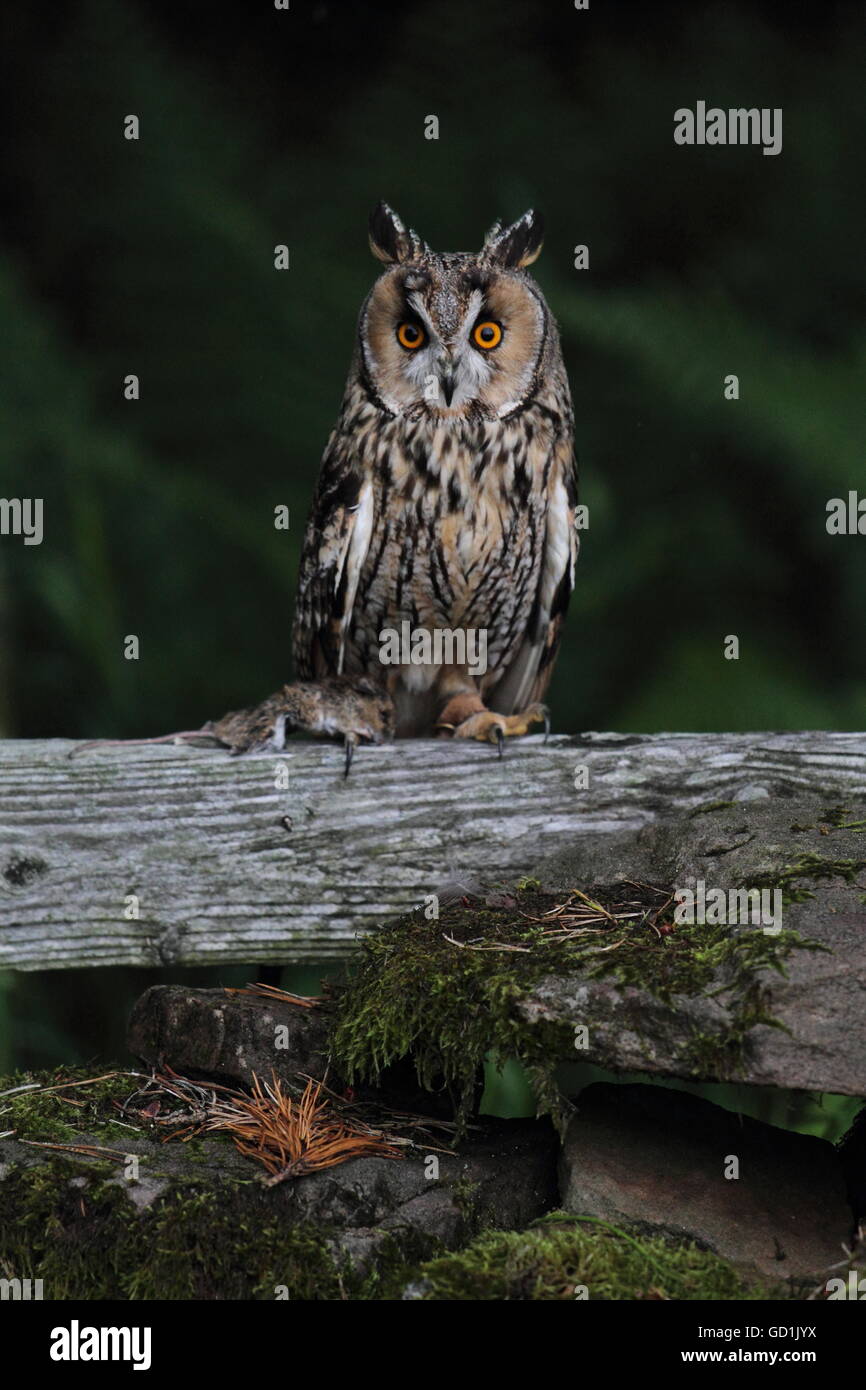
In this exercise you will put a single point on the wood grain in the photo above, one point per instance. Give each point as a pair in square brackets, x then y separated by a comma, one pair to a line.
[227, 866]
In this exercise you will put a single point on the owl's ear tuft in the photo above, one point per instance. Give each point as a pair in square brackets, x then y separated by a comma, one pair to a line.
[390, 242]
[516, 246]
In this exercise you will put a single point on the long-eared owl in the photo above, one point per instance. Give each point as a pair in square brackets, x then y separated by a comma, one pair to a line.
[447, 490]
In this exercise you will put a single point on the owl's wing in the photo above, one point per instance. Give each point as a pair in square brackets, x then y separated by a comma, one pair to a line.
[527, 677]
[335, 546]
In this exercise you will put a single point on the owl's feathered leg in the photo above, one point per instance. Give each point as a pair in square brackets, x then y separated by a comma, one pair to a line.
[466, 716]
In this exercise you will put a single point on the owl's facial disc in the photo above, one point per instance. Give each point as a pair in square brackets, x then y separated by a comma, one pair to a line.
[447, 336]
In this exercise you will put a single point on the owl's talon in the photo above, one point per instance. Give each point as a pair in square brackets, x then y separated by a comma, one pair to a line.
[350, 743]
[489, 727]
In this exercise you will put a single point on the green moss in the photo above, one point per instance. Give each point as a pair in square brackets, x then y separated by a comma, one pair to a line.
[832, 818]
[558, 1256]
[466, 1193]
[202, 1244]
[809, 867]
[447, 1005]
[447, 992]
[62, 1222]
[70, 1223]
[838, 818]
[56, 1116]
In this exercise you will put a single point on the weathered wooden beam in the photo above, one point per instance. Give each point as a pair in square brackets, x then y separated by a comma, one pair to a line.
[224, 863]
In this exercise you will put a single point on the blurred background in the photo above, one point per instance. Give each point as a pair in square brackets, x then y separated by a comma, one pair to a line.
[261, 127]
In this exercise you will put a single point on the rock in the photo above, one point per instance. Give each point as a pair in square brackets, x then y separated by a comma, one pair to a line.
[191, 1220]
[503, 1178]
[657, 1157]
[228, 1037]
[795, 843]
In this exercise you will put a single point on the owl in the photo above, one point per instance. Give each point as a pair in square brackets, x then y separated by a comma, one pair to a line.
[446, 497]
[444, 509]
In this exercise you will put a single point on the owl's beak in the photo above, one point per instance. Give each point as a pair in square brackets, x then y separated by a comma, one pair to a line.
[448, 381]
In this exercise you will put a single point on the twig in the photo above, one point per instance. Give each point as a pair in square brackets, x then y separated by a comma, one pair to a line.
[89, 1150]
[487, 946]
[304, 1001]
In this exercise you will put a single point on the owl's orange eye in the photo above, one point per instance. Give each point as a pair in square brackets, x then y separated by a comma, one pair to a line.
[487, 335]
[410, 336]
